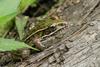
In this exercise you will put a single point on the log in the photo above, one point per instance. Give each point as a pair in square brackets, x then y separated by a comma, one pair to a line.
[78, 44]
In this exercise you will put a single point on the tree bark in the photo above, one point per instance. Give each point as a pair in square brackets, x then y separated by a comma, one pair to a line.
[78, 44]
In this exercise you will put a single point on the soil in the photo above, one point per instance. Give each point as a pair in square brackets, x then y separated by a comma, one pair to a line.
[76, 45]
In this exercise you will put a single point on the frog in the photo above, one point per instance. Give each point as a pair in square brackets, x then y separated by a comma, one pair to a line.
[44, 24]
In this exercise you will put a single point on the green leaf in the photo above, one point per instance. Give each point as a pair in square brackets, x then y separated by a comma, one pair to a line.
[11, 44]
[8, 7]
[8, 10]
[20, 24]
[25, 3]
[6, 23]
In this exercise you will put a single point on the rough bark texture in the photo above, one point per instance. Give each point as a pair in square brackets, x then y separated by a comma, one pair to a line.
[77, 45]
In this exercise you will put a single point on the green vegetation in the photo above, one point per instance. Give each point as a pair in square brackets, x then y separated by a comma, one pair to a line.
[9, 9]
[11, 44]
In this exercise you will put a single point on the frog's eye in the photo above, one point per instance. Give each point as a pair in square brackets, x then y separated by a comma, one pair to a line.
[54, 17]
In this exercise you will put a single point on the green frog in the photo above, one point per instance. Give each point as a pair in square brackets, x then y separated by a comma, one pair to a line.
[43, 25]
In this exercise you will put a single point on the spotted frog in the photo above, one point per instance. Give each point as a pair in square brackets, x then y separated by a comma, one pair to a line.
[45, 24]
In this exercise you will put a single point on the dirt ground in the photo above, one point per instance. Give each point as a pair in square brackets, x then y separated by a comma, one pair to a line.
[76, 45]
